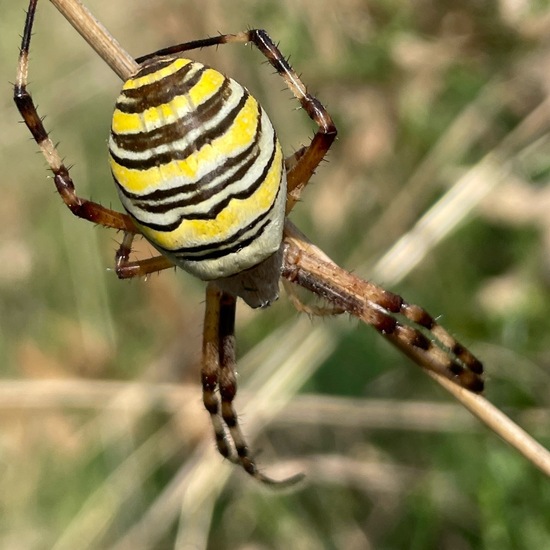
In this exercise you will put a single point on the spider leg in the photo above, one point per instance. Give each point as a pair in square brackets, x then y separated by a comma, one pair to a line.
[210, 368]
[311, 310]
[408, 326]
[313, 154]
[80, 207]
[219, 373]
[292, 160]
[126, 269]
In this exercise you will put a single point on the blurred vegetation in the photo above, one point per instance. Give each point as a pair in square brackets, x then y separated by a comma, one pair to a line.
[103, 440]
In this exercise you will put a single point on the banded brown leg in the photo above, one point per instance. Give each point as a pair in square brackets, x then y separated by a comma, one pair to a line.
[408, 326]
[309, 157]
[219, 384]
[80, 207]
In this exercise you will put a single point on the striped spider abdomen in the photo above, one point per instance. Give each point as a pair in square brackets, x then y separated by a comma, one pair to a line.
[199, 168]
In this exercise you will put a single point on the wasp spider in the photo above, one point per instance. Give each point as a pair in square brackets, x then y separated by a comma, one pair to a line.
[201, 174]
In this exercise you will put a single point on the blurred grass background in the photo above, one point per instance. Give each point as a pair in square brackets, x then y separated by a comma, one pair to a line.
[443, 115]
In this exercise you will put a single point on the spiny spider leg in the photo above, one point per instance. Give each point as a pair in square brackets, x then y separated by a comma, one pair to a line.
[80, 207]
[439, 350]
[219, 373]
[310, 156]
[126, 269]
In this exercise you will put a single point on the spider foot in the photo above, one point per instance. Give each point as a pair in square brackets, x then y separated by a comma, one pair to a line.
[249, 466]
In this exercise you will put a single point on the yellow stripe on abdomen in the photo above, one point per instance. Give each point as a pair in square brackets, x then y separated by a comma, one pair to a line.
[238, 213]
[238, 136]
[154, 117]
